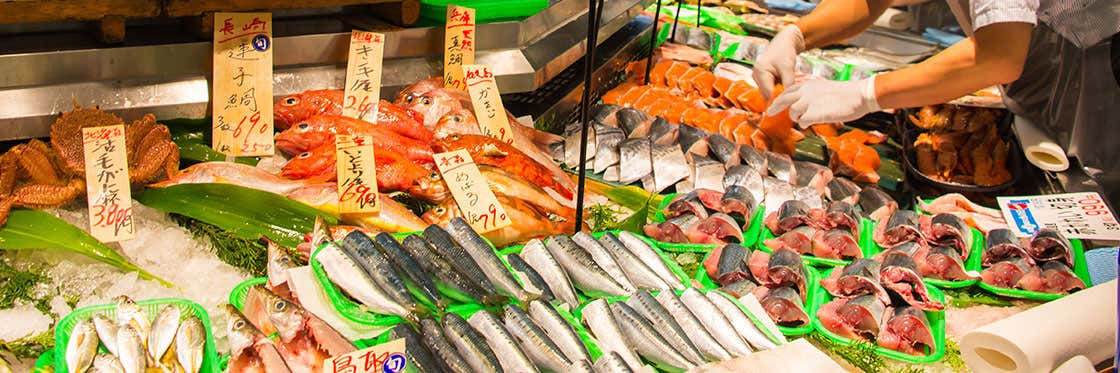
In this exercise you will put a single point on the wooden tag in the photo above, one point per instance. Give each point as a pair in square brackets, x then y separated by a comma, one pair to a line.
[363, 75]
[388, 357]
[492, 119]
[458, 45]
[357, 174]
[108, 191]
[471, 191]
[242, 98]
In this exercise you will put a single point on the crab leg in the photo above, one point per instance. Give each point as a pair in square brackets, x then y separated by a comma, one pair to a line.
[47, 196]
[157, 146]
[34, 159]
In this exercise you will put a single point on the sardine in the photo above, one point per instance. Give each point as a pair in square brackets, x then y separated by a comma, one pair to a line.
[708, 346]
[606, 145]
[448, 275]
[447, 358]
[82, 346]
[190, 340]
[715, 322]
[645, 338]
[471, 346]
[671, 167]
[249, 348]
[1001, 244]
[754, 159]
[661, 132]
[900, 274]
[416, 353]
[634, 159]
[130, 350]
[667, 327]
[104, 363]
[777, 193]
[611, 362]
[363, 251]
[641, 275]
[163, 332]
[634, 122]
[748, 178]
[785, 306]
[780, 166]
[445, 247]
[707, 173]
[724, 150]
[531, 281]
[742, 323]
[1049, 244]
[533, 340]
[536, 255]
[106, 332]
[604, 259]
[585, 273]
[601, 322]
[406, 265]
[650, 257]
[842, 189]
[558, 330]
[484, 255]
[348, 275]
[581, 366]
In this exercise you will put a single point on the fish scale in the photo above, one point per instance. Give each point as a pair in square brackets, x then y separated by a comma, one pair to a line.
[190, 340]
[634, 159]
[471, 346]
[536, 255]
[558, 330]
[644, 337]
[448, 358]
[510, 357]
[604, 258]
[742, 324]
[600, 321]
[164, 326]
[446, 247]
[484, 255]
[362, 249]
[715, 323]
[531, 280]
[667, 327]
[586, 274]
[82, 346]
[708, 346]
[421, 250]
[536, 344]
[641, 275]
[671, 166]
[606, 145]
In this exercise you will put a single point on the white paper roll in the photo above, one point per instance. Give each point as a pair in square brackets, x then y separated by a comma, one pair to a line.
[1039, 148]
[895, 19]
[1078, 364]
[1044, 337]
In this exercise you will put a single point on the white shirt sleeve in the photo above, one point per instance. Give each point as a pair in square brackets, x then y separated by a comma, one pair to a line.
[987, 12]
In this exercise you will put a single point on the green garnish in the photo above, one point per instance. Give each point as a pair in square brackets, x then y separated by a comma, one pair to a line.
[249, 255]
[971, 296]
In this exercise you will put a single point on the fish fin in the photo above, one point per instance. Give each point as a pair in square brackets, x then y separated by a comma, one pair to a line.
[491, 150]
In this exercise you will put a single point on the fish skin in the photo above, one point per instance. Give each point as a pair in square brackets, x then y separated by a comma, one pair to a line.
[393, 217]
[748, 178]
[416, 352]
[488, 262]
[724, 150]
[876, 203]
[633, 122]
[672, 230]
[645, 338]
[571, 149]
[777, 193]
[754, 159]
[535, 143]
[738, 201]
[471, 346]
[130, 350]
[667, 327]
[605, 114]
[322, 129]
[685, 203]
[697, 334]
[949, 229]
[671, 166]
[305, 340]
[537, 256]
[405, 264]
[611, 362]
[558, 330]
[106, 332]
[604, 259]
[531, 281]
[688, 136]
[707, 173]
[1049, 244]
[606, 145]
[786, 269]
[103, 363]
[859, 277]
[444, 246]
[242, 336]
[841, 214]
[231, 173]
[742, 324]
[129, 313]
[435, 103]
[904, 319]
[82, 346]
[164, 327]
[348, 275]
[641, 275]
[600, 321]
[946, 264]
[585, 273]
[448, 358]
[650, 257]
[715, 322]
[611, 174]
[842, 189]
[418, 248]
[293, 108]
[395, 172]
[781, 167]
[782, 300]
[900, 274]
[902, 226]
[1001, 244]
[533, 340]
[634, 159]
[362, 250]
[722, 227]
[490, 151]
[190, 340]
[661, 132]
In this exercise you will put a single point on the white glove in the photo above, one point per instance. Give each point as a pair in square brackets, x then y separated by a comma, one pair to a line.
[827, 101]
[779, 60]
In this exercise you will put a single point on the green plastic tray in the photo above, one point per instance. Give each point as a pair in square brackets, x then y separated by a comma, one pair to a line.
[811, 278]
[865, 226]
[936, 323]
[750, 236]
[434, 12]
[1080, 268]
[973, 253]
[151, 307]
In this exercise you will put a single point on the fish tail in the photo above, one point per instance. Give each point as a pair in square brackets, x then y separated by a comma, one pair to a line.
[494, 299]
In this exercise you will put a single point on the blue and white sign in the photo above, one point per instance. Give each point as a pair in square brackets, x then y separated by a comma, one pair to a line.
[1076, 215]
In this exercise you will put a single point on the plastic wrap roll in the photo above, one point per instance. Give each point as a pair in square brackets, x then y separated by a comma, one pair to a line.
[1039, 148]
[1045, 337]
[895, 19]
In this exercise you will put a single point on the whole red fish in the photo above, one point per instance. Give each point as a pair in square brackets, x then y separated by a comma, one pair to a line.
[394, 172]
[321, 129]
[489, 151]
[434, 104]
[293, 108]
[410, 93]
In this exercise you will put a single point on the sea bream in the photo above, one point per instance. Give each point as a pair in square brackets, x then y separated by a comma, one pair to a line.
[860, 277]
[907, 330]
[855, 318]
[900, 274]
[634, 159]
[489, 151]
[1001, 244]
[536, 255]
[1049, 244]
[321, 130]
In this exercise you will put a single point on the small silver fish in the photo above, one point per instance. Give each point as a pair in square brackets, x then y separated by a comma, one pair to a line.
[190, 340]
[106, 331]
[533, 340]
[278, 265]
[82, 346]
[558, 330]
[585, 273]
[743, 324]
[510, 357]
[106, 363]
[130, 350]
[163, 332]
[611, 362]
[650, 257]
[606, 145]
[671, 166]
[715, 322]
[708, 346]
[604, 259]
[537, 256]
[600, 321]
[634, 159]
[643, 335]
[130, 314]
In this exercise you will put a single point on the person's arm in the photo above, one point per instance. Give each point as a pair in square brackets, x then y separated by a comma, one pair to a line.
[993, 55]
[836, 20]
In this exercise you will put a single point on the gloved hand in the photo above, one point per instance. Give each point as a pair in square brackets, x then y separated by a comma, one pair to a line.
[827, 101]
[779, 60]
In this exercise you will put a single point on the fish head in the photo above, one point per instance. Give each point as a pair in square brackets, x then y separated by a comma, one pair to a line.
[315, 162]
[410, 93]
[460, 121]
[433, 105]
[430, 188]
[278, 263]
[441, 214]
[287, 317]
[290, 109]
[242, 333]
[308, 133]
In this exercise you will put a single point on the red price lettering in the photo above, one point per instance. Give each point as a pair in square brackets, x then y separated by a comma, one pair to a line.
[111, 215]
[1092, 207]
[343, 364]
[1096, 212]
[362, 107]
[360, 193]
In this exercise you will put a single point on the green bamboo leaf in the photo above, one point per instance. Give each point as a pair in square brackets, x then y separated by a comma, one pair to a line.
[247, 213]
[34, 229]
[638, 219]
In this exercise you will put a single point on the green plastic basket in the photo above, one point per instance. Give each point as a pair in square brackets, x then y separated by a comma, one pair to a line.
[864, 226]
[434, 12]
[750, 235]
[45, 362]
[936, 323]
[1080, 268]
[151, 307]
[812, 276]
[973, 253]
[241, 291]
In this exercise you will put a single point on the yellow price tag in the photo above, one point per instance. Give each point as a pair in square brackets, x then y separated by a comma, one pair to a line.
[491, 114]
[458, 45]
[471, 191]
[242, 101]
[363, 75]
[108, 191]
[388, 357]
[357, 174]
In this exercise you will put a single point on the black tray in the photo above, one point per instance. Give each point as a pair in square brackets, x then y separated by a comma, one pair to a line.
[1014, 158]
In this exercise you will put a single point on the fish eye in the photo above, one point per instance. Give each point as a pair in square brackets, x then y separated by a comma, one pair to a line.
[434, 175]
[303, 125]
[304, 155]
[291, 101]
[280, 305]
[426, 100]
[440, 210]
[455, 136]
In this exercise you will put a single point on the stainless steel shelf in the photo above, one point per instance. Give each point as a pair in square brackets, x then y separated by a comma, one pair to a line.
[171, 80]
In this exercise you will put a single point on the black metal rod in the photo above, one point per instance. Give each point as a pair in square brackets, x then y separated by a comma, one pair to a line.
[653, 40]
[585, 104]
[676, 19]
[698, 12]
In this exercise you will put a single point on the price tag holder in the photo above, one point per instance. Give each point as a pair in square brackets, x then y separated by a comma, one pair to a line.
[492, 119]
[363, 75]
[357, 174]
[471, 191]
[108, 191]
[1075, 215]
[242, 101]
[388, 357]
[458, 45]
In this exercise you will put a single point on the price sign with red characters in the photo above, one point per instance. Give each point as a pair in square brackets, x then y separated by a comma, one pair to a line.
[363, 75]
[471, 191]
[388, 357]
[357, 175]
[458, 45]
[1075, 215]
[492, 119]
[107, 188]
[242, 98]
